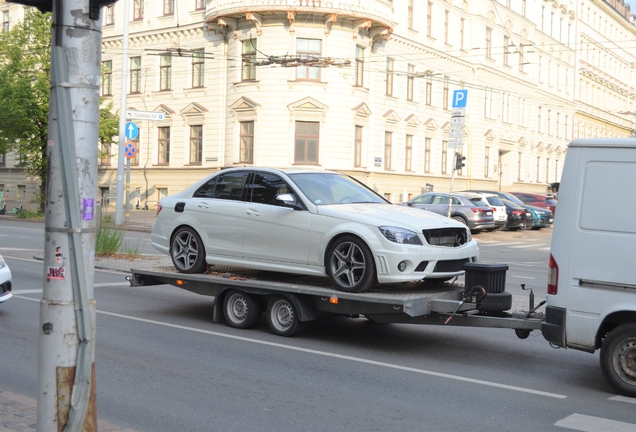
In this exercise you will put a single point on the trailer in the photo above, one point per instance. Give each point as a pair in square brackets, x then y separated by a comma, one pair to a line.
[291, 301]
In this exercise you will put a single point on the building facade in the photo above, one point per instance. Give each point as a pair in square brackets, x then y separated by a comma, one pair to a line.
[366, 87]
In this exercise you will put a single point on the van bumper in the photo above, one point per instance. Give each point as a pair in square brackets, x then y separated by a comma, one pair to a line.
[553, 328]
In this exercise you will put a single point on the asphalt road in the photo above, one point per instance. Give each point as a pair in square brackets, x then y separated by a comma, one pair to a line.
[162, 365]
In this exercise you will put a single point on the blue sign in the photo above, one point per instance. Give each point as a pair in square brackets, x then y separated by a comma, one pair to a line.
[131, 131]
[460, 97]
[130, 150]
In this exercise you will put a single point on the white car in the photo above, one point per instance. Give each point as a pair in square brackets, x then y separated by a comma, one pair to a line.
[5, 281]
[494, 202]
[308, 222]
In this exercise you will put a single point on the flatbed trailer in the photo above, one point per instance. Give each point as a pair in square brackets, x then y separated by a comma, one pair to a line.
[291, 301]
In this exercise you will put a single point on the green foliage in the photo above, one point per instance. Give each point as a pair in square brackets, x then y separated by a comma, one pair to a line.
[28, 214]
[111, 242]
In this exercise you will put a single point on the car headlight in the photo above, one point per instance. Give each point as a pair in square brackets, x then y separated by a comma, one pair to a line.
[400, 235]
[469, 236]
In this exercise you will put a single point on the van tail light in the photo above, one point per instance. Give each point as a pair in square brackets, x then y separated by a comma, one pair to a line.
[159, 209]
[553, 276]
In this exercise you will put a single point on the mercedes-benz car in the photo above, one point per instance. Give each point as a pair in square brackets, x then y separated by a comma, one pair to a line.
[310, 222]
[5, 281]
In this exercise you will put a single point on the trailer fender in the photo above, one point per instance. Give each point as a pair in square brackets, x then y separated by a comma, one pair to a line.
[306, 309]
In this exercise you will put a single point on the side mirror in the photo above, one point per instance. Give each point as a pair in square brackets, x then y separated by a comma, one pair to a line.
[409, 203]
[287, 200]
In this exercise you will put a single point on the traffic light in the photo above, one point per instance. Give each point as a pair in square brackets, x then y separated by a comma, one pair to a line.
[459, 161]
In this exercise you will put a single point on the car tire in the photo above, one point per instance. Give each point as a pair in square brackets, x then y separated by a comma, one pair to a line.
[187, 251]
[618, 358]
[282, 317]
[241, 310]
[459, 219]
[495, 302]
[350, 265]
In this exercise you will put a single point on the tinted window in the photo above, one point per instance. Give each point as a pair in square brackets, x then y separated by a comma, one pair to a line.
[266, 186]
[494, 201]
[227, 186]
[422, 199]
[440, 199]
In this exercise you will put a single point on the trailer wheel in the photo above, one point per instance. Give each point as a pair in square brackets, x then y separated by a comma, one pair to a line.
[495, 302]
[187, 252]
[350, 265]
[618, 359]
[241, 310]
[522, 333]
[282, 317]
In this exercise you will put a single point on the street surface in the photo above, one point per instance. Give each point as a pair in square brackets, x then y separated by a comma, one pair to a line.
[163, 365]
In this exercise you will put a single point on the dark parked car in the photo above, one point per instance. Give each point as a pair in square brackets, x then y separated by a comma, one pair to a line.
[541, 217]
[472, 212]
[537, 200]
[518, 217]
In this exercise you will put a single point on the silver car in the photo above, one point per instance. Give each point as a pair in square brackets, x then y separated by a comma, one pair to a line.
[470, 211]
[318, 223]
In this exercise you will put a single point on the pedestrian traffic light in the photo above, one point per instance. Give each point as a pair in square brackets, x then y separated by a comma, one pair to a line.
[459, 161]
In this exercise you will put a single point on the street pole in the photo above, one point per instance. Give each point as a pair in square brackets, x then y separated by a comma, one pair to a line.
[122, 124]
[66, 367]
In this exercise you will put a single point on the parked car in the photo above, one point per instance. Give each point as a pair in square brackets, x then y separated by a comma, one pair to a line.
[318, 223]
[472, 212]
[537, 200]
[494, 202]
[5, 281]
[541, 217]
[518, 217]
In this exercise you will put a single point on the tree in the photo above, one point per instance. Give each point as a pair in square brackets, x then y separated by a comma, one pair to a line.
[25, 62]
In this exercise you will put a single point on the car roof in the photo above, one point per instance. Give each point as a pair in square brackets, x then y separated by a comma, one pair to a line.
[477, 194]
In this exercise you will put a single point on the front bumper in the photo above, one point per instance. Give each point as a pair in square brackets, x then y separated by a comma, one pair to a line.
[5, 284]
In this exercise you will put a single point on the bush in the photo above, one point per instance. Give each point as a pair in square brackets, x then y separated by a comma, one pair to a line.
[28, 214]
[111, 242]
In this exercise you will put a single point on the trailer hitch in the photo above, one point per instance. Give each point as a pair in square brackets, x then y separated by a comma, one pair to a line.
[474, 295]
[532, 308]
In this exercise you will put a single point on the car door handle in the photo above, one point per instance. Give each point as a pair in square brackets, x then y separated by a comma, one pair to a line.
[252, 212]
[204, 205]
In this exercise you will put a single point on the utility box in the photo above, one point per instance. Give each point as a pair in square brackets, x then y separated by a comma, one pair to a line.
[490, 276]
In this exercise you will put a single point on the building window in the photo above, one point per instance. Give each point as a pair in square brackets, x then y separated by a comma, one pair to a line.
[446, 19]
[165, 74]
[198, 68]
[109, 15]
[138, 10]
[135, 74]
[408, 154]
[462, 28]
[388, 149]
[5, 21]
[247, 142]
[427, 155]
[248, 58]
[199, 5]
[389, 77]
[164, 146]
[429, 20]
[357, 147]
[196, 144]
[307, 139]
[445, 94]
[429, 91]
[104, 154]
[486, 161]
[308, 49]
[3, 159]
[410, 82]
[488, 42]
[444, 157]
[506, 53]
[359, 66]
[107, 78]
[168, 7]
[410, 14]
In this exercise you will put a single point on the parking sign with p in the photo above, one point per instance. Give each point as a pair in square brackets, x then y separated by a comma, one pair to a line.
[460, 97]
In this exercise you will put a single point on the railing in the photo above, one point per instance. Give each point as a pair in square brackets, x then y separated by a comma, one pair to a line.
[382, 9]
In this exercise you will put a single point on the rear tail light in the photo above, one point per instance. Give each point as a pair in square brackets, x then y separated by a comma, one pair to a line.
[518, 212]
[159, 209]
[553, 276]
[478, 209]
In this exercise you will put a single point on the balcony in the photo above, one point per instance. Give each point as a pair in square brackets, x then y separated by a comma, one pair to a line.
[376, 16]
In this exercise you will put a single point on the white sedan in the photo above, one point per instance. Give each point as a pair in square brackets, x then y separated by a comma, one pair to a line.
[319, 223]
[5, 281]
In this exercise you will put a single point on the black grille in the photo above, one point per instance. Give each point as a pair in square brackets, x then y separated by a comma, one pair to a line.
[450, 265]
[449, 237]
[5, 288]
[421, 266]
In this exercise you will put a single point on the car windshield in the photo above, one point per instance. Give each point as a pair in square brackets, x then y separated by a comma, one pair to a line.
[512, 205]
[479, 202]
[513, 198]
[333, 188]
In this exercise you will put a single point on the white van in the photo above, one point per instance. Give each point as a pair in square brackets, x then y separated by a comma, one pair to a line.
[591, 300]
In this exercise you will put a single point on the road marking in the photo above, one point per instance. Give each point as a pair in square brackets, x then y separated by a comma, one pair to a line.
[585, 423]
[334, 355]
[526, 246]
[33, 291]
[623, 399]
[20, 249]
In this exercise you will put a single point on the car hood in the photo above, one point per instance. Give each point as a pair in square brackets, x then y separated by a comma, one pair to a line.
[536, 209]
[387, 214]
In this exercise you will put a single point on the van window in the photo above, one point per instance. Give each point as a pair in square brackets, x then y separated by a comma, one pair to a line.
[603, 206]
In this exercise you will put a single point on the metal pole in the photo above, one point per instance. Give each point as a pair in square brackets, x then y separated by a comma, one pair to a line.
[66, 368]
[127, 213]
[450, 195]
[122, 119]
